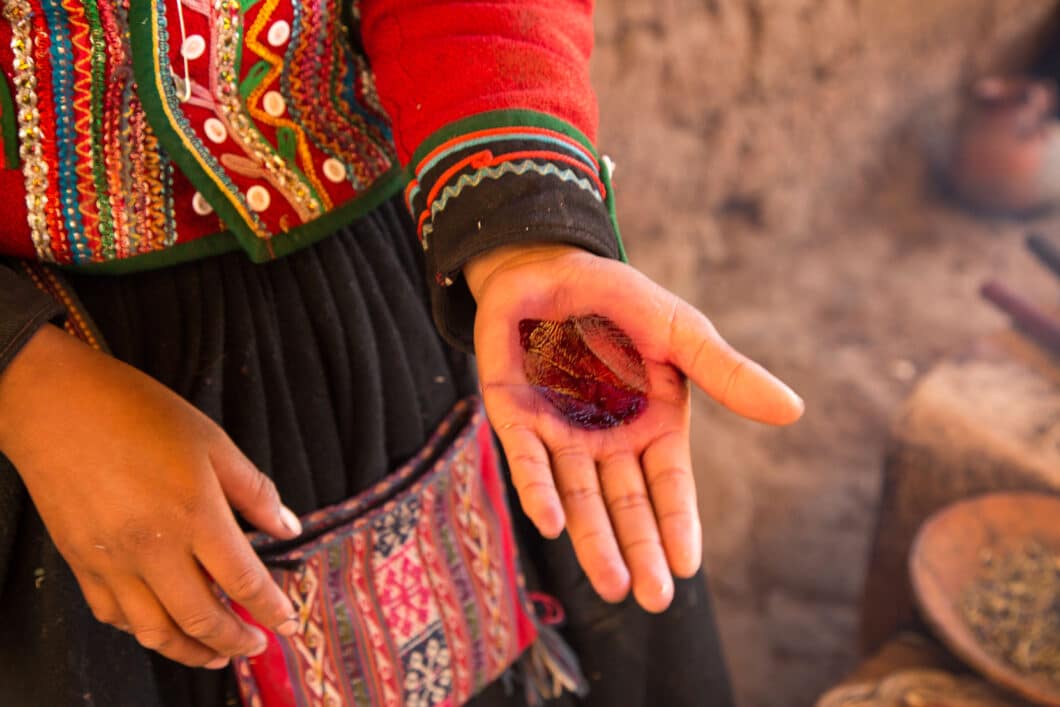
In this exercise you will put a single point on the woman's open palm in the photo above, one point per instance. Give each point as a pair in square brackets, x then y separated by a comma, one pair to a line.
[625, 494]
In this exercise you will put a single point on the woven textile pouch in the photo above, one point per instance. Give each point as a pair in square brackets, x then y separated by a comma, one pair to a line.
[407, 594]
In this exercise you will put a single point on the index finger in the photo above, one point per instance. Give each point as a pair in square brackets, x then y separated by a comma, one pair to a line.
[226, 554]
[186, 594]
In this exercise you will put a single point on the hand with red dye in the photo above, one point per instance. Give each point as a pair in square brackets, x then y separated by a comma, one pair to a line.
[584, 365]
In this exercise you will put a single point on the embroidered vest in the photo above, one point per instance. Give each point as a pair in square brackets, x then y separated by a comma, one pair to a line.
[180, 129]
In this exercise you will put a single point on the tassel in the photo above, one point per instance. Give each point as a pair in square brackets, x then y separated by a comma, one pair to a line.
[548, 667]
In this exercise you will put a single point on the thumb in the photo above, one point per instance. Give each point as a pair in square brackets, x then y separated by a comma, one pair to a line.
[251, 493]
[728, 376]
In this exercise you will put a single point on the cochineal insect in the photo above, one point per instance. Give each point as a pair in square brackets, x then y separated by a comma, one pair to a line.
[587, 367]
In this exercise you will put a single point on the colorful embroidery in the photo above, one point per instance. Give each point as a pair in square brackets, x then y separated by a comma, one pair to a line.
[410, 600]
[496, 172]
[224, 87]
[449, 608]
[349, 96]
[465, 162]
[101, 189]
[267, 105]
[277, 115]
[83, 96]
[272, 144]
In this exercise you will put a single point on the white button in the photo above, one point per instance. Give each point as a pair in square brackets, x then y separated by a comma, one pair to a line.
[279, 33]
[194, 47]
[610, 165]
[200, 206]
[334, 170]
[258, 198]
[215, 130]
[274, 104]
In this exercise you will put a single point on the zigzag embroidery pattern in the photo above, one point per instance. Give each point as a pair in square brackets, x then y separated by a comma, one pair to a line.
[253, 102]
[518, 168]
[80, 39]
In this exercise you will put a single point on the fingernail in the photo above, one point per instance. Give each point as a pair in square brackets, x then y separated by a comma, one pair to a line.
[217, 663]
[796, 399]
[666, 587]
[288, 627]
[260, 643]
[617, 576]
[290, 520]
[551, 526]
[690, 562]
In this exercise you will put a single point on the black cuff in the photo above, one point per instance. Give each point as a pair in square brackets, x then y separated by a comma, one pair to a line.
[23, 310]
[475, 200]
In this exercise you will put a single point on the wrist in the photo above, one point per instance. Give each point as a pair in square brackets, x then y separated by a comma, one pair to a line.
[21, 377]
[481, 270]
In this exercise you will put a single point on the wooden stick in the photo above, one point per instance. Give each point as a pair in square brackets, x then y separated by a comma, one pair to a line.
[1031, 320]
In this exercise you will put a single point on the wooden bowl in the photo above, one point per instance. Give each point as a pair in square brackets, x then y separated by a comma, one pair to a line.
[945, 560]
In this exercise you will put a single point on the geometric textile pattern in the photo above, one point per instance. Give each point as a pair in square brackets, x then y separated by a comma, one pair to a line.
[407, 594]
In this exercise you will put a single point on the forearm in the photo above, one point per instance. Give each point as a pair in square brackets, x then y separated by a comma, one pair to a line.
[21, 378]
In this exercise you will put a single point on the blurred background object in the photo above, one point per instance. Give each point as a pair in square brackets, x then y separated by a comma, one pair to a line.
[1005, 157]
[778, 164]
[911, 671]
[986, 574]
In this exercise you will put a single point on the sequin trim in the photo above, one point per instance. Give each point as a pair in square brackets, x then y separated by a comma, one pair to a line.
[35, 169]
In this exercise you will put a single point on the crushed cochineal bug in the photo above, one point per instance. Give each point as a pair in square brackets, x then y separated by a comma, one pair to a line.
[587, 367]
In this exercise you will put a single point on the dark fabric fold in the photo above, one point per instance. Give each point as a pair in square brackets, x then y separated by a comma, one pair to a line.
[325, 369]
[23, 310]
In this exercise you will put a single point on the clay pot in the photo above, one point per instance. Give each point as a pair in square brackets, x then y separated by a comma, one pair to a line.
[1006, 152]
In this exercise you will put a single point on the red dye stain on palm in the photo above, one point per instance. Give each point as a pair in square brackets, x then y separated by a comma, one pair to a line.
[587, 367]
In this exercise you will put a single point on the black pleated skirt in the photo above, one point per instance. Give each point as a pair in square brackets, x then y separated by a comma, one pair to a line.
[325, 369]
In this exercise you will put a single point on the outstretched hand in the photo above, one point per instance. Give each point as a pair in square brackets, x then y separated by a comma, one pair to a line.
[626, 494]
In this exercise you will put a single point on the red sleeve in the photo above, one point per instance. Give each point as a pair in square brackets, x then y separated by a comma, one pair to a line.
[493, 114]
[436, 62]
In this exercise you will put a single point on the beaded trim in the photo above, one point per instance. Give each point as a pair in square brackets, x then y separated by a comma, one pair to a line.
[35, 169]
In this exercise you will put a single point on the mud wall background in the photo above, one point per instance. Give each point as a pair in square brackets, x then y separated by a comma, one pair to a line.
[771, 169]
